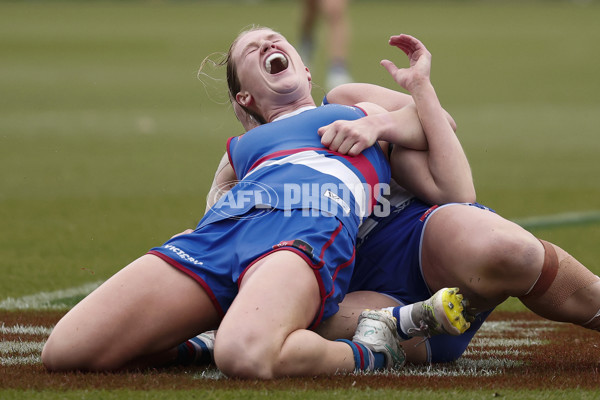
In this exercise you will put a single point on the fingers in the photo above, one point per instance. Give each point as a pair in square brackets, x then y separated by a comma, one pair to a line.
[340, 138]
[408, 44]
[389, 66]
[334, 139]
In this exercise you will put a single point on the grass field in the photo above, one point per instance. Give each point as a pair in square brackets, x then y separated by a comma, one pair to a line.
[108, 141]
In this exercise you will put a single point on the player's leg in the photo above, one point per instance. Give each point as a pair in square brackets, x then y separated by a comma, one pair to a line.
[310, 13]
[565, 290]
[488, 257]
[335, 12]
[343, 324]
[141, 312]
[491, 259]
[264, 335]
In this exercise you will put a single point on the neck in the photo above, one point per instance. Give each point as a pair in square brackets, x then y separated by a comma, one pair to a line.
[280, 110]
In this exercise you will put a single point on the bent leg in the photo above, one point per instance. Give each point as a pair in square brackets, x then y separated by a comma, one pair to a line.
[145, 309]
[264, 335]
[490, 259]
[565, 290]
[342, 325]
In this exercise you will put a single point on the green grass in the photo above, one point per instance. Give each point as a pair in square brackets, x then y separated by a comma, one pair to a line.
[108, 141]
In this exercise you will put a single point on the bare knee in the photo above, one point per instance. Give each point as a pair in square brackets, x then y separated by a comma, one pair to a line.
[66, 351]
[243, 356]
[514, 262]
[59, 355]
[486, 256]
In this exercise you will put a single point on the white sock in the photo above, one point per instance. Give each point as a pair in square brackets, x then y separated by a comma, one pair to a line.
[404, 321]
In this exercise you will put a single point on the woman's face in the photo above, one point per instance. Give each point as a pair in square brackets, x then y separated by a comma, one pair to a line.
[269, 70]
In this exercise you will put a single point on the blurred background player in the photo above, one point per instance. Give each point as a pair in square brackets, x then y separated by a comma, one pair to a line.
[338, 36]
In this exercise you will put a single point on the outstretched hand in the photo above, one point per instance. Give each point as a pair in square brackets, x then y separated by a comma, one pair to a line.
[420, 63]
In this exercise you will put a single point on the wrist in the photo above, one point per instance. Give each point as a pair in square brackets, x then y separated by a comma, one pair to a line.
[385, 125]
[419, 85]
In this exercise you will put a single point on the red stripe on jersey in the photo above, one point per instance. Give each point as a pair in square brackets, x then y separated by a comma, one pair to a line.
[229, 155]
[364, 165]
[282, 153]
[360, 162]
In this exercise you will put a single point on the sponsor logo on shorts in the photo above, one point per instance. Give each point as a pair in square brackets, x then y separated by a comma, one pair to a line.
[299, 244]
[182, 254]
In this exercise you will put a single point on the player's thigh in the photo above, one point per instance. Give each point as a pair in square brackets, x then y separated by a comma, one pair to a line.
[278, 295]
[145, 308]
[485, 255]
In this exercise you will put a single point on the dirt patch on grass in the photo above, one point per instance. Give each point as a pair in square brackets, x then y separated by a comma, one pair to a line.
[512, 350]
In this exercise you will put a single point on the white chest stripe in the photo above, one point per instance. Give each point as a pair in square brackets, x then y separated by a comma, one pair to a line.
[328, 166]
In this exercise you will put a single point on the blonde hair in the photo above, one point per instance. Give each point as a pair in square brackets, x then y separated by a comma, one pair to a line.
[233, 82]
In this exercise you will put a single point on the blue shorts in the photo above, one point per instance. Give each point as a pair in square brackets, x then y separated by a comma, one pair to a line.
[218, 254]
[388, 261]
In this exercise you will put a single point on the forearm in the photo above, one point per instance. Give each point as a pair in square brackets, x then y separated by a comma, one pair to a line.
[392, 100]
[446, 160]
[401, 127]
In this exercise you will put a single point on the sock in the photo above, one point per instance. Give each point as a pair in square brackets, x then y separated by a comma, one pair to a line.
[193, 351]
[185, 354]
[404, 322]
[364, 358]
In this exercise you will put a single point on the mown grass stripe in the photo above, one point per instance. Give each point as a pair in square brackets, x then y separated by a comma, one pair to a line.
[559, 220]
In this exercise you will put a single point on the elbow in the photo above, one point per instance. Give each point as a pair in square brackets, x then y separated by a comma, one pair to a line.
[464, 195]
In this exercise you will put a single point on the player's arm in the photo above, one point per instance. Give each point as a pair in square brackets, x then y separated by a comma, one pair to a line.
[391, 100]
[401, 127]
[440, 174]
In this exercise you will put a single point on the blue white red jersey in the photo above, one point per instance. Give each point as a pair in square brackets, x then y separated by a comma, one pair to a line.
[283, 165]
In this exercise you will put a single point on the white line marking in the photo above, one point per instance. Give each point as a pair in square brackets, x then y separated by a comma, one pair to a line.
[25, 330]
[32, 359]
[499, 342]
[47, 300]
[20, 347]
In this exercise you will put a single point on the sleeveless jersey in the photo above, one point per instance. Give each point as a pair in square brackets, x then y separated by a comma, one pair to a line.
[283, 165]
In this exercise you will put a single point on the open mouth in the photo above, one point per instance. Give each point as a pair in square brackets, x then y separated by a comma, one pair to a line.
[276, 63]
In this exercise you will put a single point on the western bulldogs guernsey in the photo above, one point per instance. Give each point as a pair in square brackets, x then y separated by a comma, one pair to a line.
[283, 165]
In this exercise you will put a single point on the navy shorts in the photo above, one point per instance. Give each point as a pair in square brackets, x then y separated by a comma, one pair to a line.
[218, 254]
[388, 261]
